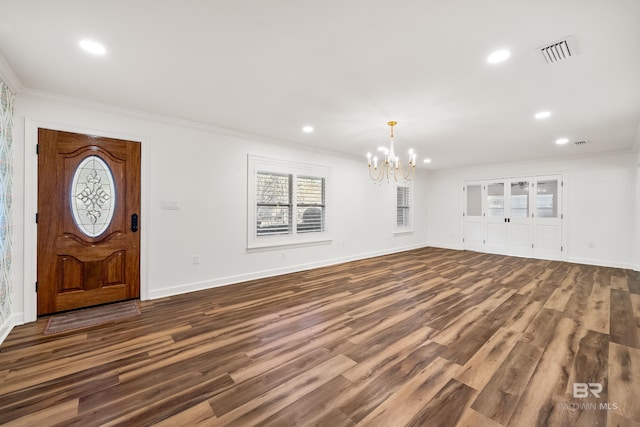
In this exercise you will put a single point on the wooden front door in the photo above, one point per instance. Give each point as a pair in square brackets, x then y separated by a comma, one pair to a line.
[88, 220]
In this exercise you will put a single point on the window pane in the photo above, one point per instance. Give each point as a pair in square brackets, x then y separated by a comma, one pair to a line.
[474, 200]
[273, 188]
[273, 199]
[495, 199]
[519, 201]
[547, 199]
[310, 219]
[310, 207]
[273, 220]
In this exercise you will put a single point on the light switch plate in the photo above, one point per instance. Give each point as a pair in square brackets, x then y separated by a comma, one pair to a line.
[169, 205]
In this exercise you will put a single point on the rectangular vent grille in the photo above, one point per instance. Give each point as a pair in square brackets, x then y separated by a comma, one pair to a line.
[556, 52]
[559, 50]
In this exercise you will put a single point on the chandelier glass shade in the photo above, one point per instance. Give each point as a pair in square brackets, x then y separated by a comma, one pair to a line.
[391, 166]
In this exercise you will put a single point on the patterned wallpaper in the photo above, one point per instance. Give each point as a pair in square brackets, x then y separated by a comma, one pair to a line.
[6, 137]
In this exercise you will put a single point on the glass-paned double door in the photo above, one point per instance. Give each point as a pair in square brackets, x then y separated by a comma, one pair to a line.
[517, 216]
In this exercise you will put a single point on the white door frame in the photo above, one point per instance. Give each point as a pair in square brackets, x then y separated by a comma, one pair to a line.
[30, 311]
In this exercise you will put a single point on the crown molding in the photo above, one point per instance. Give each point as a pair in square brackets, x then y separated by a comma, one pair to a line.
[85, 103]
[9, 76]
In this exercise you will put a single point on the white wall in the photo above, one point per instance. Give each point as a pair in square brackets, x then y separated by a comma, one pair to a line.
[601, 202]
[205, 170]
[599, 205]
[637, 210]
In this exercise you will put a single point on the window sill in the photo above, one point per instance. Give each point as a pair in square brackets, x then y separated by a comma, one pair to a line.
[402, 232]
[266, 244]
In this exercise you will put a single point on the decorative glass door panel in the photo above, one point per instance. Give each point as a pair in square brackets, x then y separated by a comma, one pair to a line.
[547, 198]
[474, 200]
[495, 200]
[519, 199]
[92, 196]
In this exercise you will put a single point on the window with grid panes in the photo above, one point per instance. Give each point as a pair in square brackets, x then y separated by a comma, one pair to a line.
[288, 203]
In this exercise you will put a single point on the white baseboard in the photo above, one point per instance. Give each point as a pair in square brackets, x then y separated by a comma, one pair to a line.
[13, 321]
[446, 246]
[229, 280]
[602, 263]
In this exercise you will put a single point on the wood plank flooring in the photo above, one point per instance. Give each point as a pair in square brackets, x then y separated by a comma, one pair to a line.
[430, 337]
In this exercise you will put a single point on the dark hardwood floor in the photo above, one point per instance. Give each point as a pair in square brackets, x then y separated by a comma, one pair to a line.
[430, 337]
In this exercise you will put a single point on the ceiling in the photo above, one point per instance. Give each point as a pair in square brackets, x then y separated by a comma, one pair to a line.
[348, 67]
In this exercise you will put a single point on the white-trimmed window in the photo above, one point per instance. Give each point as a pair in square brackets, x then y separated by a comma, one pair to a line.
[287, 203]
[404, 207]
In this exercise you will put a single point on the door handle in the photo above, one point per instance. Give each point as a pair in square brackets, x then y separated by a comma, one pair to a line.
[134, 222]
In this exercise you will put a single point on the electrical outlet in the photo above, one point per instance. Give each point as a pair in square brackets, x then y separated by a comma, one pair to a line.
[196, 259]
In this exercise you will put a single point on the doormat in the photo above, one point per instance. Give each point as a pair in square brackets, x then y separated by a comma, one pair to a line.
[87, 317]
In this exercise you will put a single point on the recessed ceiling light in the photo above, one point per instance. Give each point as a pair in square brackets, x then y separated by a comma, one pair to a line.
[307, 129]
[542, 115]
[92, 47]
[498, 56]
[427, 160]
[562, 141]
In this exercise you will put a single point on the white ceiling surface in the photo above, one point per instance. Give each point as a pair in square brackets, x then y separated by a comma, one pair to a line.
[347, 67]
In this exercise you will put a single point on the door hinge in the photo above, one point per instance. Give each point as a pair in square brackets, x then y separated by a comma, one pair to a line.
[483, 242]
[532, 246]
[561, 216]
[37, 149]
[561, 183]
[462, 213]
[36, 286]
[37, 217]
[561, 248]
[463, 240]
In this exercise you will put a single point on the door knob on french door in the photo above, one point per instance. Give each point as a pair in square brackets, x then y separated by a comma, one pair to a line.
[134, 222]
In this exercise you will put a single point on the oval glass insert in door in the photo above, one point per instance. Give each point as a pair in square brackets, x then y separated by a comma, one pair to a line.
[93, 196]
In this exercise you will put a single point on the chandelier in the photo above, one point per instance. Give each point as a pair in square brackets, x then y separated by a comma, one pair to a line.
[391, 165]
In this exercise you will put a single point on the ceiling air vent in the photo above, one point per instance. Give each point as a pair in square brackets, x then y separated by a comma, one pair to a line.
[583, 142]
[559, 50]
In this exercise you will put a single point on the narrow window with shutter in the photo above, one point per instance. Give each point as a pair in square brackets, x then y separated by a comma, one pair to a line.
[403, 207]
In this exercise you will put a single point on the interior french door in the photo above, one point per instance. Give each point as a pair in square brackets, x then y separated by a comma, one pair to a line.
[474, 224]
[547, 218]
[517, 216]
[496, 213]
